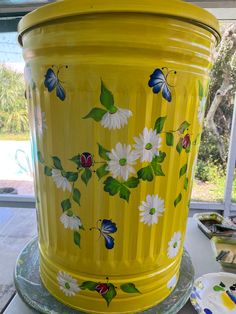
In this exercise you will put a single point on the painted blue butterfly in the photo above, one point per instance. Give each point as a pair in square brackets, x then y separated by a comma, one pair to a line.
[107, 227]
[52, 81]
[158, 82]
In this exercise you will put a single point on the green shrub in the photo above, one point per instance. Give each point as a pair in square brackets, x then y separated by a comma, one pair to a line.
[208, 171]
[13, 106]
[209, 148]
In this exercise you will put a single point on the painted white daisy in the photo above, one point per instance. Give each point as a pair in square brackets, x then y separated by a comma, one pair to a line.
[201, 109]
[121, 160]
[117, 119]
[70, 220]
[147, 144]
[60, 181]
[174, 245]
[67, 284]
[40, 118]
[172, 282]
[151, 209]
[28, 76]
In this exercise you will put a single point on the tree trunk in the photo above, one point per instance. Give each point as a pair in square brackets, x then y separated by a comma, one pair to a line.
[222, 92]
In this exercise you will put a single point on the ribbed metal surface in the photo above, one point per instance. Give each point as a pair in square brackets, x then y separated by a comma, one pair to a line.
[124, 63]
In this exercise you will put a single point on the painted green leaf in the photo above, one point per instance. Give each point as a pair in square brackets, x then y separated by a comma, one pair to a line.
[112, 186]
[106, 98]
[146, 174]
[183, 170]
[200, 90]
[66, 204]
[124, 193]
[132, 182]
[188, 149]
[76, 196]
[183, 127]
[186, 184]
[222, 284]
[103, 152]
[111, 293]
[76, 160]
[157, 169]
[80, 227]
[169, 139]
[218, 288]
[195, 142]
[129, 288]
[179, 146]
[40, 158]
[77, 238]
[90, 285]
[48, 171]
[71, 176]
[159, 124]
[101, 171]
[160, 158]
[86, 175]
[178, 199]
[96, 114]
[57, 163]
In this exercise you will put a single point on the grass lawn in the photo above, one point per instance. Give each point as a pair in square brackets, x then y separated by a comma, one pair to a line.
[211, 191]
[14, 137]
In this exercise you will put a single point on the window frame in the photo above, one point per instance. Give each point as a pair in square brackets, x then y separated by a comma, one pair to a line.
[218, 8]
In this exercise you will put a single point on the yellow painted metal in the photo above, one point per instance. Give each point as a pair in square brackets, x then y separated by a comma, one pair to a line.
[118, 47]
[71, 8]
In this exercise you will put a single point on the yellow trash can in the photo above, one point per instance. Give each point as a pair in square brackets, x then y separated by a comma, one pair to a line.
[116, 93]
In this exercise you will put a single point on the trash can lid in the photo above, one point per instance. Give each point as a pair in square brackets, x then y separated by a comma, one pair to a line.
[68, 8]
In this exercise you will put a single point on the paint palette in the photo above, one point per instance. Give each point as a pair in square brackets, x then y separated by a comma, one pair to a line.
[215, 293]
[207, 224]
[228, 245]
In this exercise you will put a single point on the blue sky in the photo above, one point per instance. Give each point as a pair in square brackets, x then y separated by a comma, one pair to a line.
[10, 51]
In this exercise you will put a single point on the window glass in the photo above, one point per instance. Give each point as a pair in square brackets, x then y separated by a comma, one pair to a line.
[210, 174]
[15, 157]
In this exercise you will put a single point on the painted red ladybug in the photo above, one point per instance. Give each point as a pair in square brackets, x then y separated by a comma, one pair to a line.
[102, 288]
[186, 141]
[86, 160]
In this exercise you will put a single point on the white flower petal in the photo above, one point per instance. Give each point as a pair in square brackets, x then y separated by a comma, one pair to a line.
[172, 282]
[116, 120]
[60, 181]
[174, 245]
[201, 109]
[40, 120]
[67, 284]
[151, 210]
[152, 139]
[70, 221]
[115, 166]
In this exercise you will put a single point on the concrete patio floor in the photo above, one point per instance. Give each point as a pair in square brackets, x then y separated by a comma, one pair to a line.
[17, 227]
